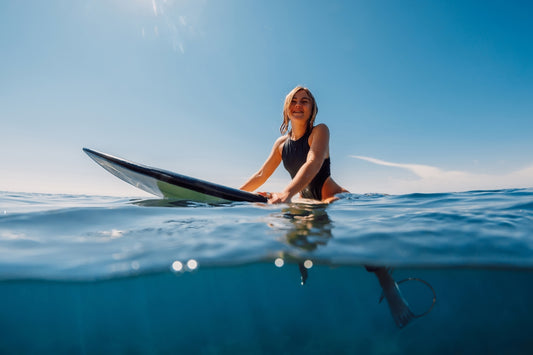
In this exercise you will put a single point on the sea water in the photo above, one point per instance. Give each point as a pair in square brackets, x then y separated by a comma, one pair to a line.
[87, 274]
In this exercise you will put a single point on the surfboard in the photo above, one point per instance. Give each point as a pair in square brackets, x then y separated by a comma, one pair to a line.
[167, 184]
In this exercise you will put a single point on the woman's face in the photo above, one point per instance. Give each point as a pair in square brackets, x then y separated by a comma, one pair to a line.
[301, 106]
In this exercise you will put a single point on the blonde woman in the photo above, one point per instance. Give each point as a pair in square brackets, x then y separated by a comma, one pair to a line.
[304, 150]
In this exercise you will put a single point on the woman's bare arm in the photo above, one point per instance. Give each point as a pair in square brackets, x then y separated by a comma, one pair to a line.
[268, 168]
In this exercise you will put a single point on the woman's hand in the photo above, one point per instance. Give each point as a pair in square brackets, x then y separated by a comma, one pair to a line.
[279, 197]
[276, 197]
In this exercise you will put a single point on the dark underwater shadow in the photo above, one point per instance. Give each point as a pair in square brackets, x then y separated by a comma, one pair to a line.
[311, 228]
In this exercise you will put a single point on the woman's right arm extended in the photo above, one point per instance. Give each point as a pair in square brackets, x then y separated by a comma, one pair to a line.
[270, 165]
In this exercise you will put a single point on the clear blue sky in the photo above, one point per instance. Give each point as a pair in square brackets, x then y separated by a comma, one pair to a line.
[418, 95]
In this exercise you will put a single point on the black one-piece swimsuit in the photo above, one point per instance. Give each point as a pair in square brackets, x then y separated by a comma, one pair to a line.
[294, 155]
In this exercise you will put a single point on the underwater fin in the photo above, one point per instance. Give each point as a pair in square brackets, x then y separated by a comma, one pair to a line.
[399, 308]
[303, 272]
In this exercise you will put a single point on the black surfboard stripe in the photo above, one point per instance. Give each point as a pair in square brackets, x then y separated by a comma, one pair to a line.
[183, 181]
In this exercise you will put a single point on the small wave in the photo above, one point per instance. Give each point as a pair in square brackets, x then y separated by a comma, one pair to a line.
[87, 237]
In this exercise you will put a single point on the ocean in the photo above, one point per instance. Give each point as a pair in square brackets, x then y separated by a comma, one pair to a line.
[101, 275]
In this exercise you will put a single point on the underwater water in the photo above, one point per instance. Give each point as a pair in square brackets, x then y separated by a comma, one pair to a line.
[87, 274]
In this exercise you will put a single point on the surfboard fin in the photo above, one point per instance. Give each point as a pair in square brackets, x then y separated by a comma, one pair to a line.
[303, 272]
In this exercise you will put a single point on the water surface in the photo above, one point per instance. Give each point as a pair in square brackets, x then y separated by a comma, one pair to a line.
[88, 274]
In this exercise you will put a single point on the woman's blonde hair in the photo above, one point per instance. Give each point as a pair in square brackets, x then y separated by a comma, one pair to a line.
[285, 125]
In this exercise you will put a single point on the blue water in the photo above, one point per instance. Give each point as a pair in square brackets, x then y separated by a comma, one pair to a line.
[86, 274]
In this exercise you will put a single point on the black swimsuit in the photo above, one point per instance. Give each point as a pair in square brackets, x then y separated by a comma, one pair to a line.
[294, 155]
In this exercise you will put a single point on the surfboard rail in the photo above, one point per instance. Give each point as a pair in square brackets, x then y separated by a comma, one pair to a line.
[168, 184]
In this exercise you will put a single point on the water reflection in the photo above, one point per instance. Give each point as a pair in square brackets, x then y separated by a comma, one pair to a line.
[168, 202]
[310, 228]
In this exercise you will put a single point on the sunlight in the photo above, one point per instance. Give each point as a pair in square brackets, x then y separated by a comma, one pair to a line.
[135, 265]
[7, 235]
[177, 266]
[173, 21]
[192, 264]
[308, 264]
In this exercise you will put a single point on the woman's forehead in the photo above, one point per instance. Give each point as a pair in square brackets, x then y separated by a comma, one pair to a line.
[301, 94]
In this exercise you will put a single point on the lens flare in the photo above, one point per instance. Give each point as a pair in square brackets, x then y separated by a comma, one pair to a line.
[192, 264]
[177, 266]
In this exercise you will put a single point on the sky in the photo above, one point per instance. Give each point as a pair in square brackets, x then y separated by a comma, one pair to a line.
[419, 96]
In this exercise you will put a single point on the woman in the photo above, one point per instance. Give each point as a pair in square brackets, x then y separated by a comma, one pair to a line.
[304, 150]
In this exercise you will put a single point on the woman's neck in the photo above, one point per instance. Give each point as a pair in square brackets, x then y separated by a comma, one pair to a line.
[298, 130]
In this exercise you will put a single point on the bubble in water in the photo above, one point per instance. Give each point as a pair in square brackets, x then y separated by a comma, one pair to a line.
[135, 265]
[192, 264]
[177, 266]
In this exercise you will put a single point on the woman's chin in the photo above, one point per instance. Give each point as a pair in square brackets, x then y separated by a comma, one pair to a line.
[297, 118]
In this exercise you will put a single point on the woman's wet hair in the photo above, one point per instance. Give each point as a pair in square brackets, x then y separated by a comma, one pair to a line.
[285, 125]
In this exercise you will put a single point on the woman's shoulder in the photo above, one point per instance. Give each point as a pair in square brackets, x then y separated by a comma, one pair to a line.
[278, 144]
[281, 139]
[320, 133]
[320, 129]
